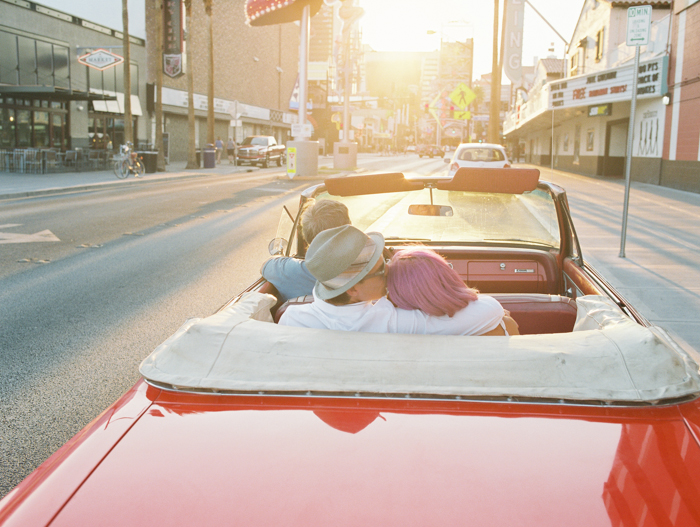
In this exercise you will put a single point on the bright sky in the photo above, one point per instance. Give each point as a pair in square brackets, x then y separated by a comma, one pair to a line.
[401, 25]
[398, 25]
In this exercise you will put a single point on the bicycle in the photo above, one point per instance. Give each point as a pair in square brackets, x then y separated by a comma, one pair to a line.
[128, 162]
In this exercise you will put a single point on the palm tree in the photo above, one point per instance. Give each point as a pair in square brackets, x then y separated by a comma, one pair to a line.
[159, 86]
[128, 124]
[191, 150]
[210, 92]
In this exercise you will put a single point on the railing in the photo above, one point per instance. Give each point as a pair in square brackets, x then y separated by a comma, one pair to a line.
[42, 161]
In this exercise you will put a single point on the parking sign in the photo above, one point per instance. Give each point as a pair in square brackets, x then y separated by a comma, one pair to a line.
[638, 25]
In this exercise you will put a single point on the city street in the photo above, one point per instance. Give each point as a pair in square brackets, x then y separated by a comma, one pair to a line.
[103, 275]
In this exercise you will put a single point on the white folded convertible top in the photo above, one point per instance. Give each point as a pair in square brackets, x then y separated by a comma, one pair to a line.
[608, 357]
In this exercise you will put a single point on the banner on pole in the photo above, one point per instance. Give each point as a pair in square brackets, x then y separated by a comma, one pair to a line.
[172, 38]
[513, 52]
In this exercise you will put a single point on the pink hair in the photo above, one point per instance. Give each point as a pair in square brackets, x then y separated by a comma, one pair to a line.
[419, 278]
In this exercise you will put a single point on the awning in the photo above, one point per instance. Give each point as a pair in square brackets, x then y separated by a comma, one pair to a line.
[53, 92]
[117, 105]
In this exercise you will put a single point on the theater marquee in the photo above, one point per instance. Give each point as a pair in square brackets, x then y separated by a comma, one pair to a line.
[610, 85]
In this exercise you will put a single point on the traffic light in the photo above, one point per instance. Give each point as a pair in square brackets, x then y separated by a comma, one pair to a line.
[426, 107]
[452, 112]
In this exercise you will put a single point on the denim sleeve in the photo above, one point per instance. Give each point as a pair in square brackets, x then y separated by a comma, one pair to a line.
[289, 276]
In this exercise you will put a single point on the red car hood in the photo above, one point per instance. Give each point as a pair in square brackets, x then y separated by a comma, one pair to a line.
[262, 461]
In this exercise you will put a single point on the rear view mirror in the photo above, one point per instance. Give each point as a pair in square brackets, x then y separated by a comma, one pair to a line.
[430, 210]
[278, 246]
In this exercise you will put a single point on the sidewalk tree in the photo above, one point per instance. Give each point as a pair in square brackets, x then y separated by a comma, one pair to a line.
[159, 86]
[128, 122]
[191, 150]
[208, 4]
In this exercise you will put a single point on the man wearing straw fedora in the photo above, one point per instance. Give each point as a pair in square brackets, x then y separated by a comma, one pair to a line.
[350, 293]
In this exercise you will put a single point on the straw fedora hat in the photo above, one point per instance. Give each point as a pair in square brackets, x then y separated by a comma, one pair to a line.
[340, 257]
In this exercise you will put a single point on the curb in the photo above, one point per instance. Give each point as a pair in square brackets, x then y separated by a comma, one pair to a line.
[174, 176]
[111, 184]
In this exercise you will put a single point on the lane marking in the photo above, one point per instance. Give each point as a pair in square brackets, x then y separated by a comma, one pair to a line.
[15, 237]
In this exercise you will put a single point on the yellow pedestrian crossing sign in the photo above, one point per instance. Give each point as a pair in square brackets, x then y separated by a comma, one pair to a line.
[462, 96]
[462, 116]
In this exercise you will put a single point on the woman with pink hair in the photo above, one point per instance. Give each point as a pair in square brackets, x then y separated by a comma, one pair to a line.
[419, 278]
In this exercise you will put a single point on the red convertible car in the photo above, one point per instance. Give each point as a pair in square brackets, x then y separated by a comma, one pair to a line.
[590, 417]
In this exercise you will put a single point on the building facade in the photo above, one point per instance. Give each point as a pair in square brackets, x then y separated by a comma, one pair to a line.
[48, 99]
[680, 167]
[580, 123]
[255, 72]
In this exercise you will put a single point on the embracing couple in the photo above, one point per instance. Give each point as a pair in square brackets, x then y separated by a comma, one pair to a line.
[426, 296]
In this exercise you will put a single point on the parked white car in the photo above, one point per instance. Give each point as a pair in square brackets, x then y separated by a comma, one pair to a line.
[484, 155]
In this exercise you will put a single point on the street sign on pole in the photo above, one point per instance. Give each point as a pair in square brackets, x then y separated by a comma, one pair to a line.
[291, 162]
[462, 96]
[638, 28]
[638, 25]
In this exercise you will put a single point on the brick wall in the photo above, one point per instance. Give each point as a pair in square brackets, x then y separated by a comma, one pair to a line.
[681, 165]
[237, 75]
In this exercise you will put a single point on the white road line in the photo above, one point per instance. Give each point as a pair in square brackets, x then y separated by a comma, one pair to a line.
[13, 237]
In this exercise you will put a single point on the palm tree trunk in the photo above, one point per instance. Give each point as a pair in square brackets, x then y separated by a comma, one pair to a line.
[159, 86]
[210, 92]
[191, 150]
[128, 123]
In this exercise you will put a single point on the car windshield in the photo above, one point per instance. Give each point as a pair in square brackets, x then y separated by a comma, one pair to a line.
[528, 218]
[480, 154]
[261, 141]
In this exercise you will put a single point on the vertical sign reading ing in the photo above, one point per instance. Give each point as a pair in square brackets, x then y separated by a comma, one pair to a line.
[513, 63]
[172, 38]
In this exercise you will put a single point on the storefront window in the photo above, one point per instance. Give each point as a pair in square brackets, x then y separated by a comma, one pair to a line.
[134, 79]
[8, 58]
[44, 59]
[7, 128]
[58, 135]
[27, 60]
[94, 79]
[60, 67]
[42, 139]
[118, 136]
[106, 133]
[109, 81]
[24, 128]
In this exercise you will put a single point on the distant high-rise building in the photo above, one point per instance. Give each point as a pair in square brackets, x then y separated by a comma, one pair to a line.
[321, 39]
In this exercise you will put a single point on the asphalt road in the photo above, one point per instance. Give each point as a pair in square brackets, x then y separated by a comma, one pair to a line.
[95, 280]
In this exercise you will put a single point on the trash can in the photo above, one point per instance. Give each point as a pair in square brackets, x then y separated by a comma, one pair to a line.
[210, 156]
[150, 161]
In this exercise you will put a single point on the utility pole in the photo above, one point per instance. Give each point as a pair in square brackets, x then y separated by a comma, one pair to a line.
[495, 111]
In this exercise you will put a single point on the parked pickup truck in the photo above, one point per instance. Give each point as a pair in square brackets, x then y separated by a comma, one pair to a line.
[260, 150]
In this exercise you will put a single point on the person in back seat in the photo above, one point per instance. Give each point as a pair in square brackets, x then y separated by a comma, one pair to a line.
[350, 293]
[289, 275]
[419, 278]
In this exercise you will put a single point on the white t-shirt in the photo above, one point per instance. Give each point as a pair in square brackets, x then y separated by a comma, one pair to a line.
[480, 316]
